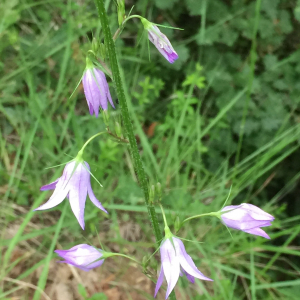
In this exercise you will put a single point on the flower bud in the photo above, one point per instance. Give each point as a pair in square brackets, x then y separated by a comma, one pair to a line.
[101, 51]
[151, 194]
[95, 45]
[145, 261]
[83, 256]
[118, 129]
[160, 41]
[121, 11]
[105, 116]
[177, 224]
[158, 190]
[95, 88]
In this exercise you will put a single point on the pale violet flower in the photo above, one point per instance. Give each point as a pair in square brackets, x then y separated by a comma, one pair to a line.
[160, 41]
[246, 217]
[176, 262]
[82, 256]
[96, 89]
[74, 184]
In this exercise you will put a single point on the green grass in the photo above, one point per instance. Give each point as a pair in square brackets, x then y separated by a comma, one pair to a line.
[41, 127]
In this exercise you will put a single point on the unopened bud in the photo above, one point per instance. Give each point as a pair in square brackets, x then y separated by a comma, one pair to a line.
[95, 45]
[121, 11]
[145, 261]
[118, 129]
[154, 265]
[158, 190]
[177, 224]
[105, 116]
[151, 194]
[101, 51]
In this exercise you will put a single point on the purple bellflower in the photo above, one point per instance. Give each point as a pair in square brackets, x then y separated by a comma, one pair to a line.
[82, 256]
[176, 262]
[75, 184]
[160, 41]
[96, 89]
[246, 217]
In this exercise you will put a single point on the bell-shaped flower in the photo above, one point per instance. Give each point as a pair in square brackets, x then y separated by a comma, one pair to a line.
[176, 262]
[96, 89]
[246, 217]
[160, 41]
[82, 256]
[74, 184]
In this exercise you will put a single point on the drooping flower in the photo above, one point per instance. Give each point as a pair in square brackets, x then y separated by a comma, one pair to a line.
[96, 89]
[75, 184]
[82, 256]
[160, 41]
[247, 217]
[176, 262]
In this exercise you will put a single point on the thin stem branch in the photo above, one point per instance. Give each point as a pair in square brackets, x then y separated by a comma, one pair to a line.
[163, 214]
[90, 139]
[124, 255]
[215, 214]
[120, 29]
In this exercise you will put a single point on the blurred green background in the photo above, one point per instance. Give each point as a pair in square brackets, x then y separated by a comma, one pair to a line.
[225, 114]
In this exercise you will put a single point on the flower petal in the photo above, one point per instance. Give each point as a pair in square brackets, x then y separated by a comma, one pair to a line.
[190, 278]
[159, 280]
[256, 212]
[91, 91]
[92, 196]
[59, 194]
[254, 224]
[72, 264]
[78, 192]
[170, 265]
[186, 261]
[95, 201]
[50, 186]
[257, 231]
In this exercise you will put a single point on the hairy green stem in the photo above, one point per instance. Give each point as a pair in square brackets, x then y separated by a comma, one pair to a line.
[110, 46]
[112, 55]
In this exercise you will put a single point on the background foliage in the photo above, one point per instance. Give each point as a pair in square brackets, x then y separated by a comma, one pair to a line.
[225, 114]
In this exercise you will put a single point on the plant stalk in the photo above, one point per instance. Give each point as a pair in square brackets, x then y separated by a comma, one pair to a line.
[112, 55]
[110, 46]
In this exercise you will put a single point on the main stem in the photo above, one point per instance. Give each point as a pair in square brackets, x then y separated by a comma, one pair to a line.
[110, 46]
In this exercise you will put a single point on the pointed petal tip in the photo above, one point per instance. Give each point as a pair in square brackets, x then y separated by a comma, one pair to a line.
[38, 208]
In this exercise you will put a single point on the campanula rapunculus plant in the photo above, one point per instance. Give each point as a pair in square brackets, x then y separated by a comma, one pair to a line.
[96, 89]
[75, 184]
[246, 217]
[160, 41]
[83, 256]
